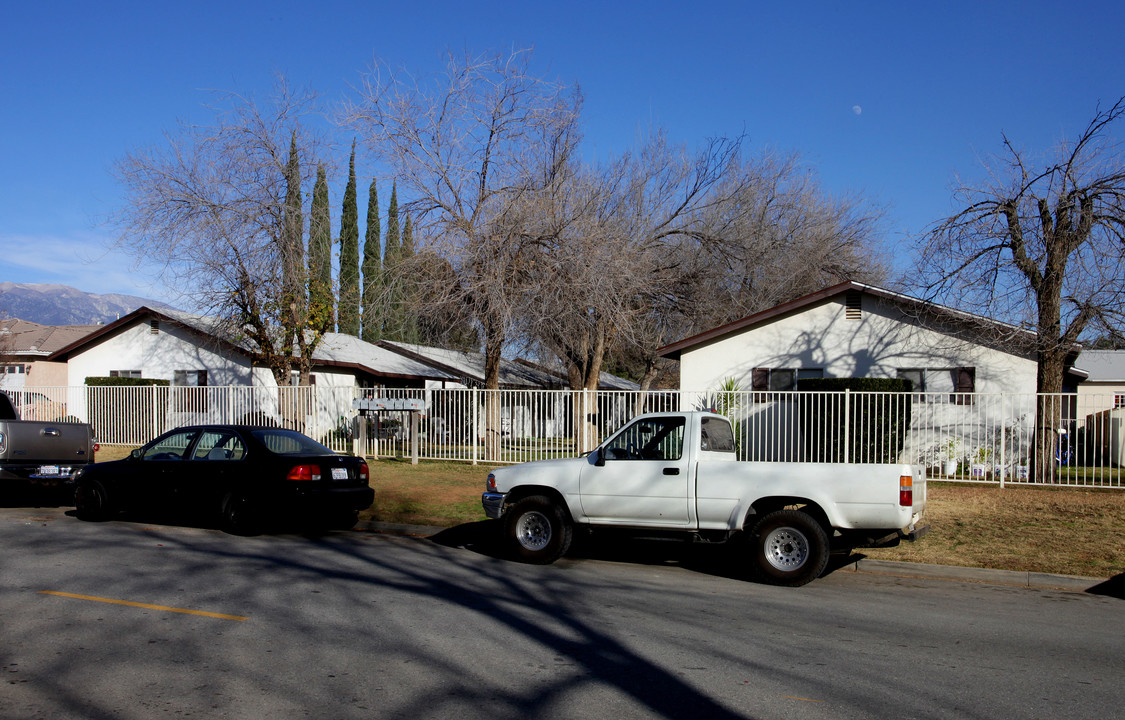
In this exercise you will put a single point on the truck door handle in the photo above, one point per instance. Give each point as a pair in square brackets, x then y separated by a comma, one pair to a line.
[671, 471]
[51, 432]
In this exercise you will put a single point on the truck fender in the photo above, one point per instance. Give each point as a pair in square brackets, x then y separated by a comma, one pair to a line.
[520, 492]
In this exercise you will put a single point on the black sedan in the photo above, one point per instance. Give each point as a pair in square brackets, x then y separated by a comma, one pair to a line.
[245, 476]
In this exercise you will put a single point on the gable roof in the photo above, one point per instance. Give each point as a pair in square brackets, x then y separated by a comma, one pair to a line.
[336, 350]
[468, 368]
[25, 338]
[1102, 365]
[514, 374]
[676, 349]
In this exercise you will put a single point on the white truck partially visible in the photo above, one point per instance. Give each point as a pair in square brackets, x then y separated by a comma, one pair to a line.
[678, 474]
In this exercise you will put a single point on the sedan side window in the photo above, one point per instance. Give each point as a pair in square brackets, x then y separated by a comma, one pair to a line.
[172, 447]
[215, 445]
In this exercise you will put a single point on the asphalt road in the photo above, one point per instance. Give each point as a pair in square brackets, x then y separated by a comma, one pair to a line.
[370, 625]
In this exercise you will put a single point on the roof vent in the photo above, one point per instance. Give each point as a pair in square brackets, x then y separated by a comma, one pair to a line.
[853, 305]
[154, 327]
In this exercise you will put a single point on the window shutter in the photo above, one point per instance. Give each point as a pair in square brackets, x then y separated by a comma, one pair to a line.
[760, 379]
[966, 382]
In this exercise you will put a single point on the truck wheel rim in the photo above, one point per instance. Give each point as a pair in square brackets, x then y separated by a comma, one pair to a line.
[786, 549]
[533, 531]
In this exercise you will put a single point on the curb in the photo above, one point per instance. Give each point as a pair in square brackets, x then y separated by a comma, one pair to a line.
[891, 568]
[1014, 578]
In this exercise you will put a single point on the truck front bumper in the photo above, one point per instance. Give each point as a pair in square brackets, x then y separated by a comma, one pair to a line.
[493, 504]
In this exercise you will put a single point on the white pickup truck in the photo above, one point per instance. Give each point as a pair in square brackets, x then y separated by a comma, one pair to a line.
[677, 473]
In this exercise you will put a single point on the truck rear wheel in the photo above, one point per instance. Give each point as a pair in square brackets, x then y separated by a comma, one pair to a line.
[790, 548]
[539, 529]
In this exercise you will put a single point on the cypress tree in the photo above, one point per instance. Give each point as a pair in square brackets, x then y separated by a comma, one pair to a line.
[321, 305]
[392, 319]
[292, 244]
[349, 256]
[372, 270]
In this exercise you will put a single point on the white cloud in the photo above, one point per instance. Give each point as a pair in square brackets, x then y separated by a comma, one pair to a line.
[84, 261]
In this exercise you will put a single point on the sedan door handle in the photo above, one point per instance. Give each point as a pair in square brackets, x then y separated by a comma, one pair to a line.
[671, 471]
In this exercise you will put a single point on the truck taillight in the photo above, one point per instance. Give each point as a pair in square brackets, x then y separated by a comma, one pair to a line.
[304, 472]
[906, 491]
[364, 473]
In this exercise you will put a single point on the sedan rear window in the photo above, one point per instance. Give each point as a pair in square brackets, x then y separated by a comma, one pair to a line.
[288, 442]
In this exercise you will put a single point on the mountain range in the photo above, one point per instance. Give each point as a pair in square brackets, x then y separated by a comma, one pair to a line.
[63, 305]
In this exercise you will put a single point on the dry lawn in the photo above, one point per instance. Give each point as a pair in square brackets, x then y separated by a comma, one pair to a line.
[1071, 532]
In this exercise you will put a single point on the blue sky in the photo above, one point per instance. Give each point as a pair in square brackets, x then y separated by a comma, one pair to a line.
[887, 99]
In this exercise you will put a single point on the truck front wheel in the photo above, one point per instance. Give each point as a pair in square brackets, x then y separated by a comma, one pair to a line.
[539, 530]
[790, 548]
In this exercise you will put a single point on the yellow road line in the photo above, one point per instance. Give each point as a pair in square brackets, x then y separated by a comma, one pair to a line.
[794, 697]
[145, 605]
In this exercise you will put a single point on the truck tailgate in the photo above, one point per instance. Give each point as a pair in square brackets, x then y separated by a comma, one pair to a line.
[39, 443]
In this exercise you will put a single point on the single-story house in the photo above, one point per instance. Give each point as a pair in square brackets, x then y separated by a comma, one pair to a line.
[857, 330]
[195, 350]
[25, 348]
[1105, 377]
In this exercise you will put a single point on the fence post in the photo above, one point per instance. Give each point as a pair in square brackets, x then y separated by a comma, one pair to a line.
[847, 424]
[475, 408]
[156, 420]
[1003, 443]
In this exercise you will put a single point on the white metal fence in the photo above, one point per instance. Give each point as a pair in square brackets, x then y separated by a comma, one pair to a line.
[961, 437]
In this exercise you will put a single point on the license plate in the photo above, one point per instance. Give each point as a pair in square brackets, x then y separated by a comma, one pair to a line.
[339, 473]
[48, 469]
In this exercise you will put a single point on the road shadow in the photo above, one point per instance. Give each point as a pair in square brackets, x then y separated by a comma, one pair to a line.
[729, 560]
[1114, 587]
[17, 495]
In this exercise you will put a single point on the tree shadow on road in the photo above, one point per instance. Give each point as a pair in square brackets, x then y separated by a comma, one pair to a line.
[1114, 587]
[729, 560]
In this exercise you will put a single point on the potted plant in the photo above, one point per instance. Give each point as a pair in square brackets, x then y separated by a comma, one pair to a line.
[952, 452]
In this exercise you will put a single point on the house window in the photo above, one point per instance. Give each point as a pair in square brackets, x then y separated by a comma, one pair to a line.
[190, 399]
[1118, 400]
[917, 378]
[942, 385]
[125, 373]
[190, 378]
[783, 379]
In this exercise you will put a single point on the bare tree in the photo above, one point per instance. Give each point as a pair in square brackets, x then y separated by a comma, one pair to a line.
[1042, 245]
[468, 148]
[218, 208]
[679, 243]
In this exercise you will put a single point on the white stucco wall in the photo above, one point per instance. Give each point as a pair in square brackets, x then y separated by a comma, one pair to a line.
[880, 343]
[157, 356]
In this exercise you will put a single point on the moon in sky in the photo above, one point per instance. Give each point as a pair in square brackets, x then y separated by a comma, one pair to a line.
[857, 109]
